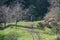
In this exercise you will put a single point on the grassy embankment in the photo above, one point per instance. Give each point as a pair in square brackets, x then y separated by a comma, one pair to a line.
[23, 34]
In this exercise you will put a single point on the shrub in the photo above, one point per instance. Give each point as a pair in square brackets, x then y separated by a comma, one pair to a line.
[48, 25]
[55, 28]
[41, 25]
[58, 38]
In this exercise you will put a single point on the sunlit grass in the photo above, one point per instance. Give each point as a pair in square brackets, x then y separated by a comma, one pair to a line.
[23, 34]
[46, 34]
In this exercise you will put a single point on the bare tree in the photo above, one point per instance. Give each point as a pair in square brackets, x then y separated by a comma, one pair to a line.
[17, 11]
[4, 11]
[53, 13]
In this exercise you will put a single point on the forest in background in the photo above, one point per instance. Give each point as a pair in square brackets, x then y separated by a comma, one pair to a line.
[29, 10]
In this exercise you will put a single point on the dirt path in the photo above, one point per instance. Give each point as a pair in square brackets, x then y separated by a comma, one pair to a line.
[34, 33]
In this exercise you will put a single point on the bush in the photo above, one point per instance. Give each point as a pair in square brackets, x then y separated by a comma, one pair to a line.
[41, 25]
[48, 25]
[58, 38]
[11, 36]
[55, 28]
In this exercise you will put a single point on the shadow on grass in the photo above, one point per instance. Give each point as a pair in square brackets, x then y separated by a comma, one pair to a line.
[1, 28]
[14, 25]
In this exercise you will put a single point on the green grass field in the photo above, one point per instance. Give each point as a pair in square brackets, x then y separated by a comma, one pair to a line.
[23, 34]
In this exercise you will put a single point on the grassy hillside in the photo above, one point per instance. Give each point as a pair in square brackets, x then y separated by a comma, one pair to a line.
[21, 33]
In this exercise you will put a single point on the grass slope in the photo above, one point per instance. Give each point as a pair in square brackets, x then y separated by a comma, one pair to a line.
[46, 34]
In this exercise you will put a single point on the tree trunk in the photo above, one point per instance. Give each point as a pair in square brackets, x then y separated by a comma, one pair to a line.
[16, 23]
[4, 24]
